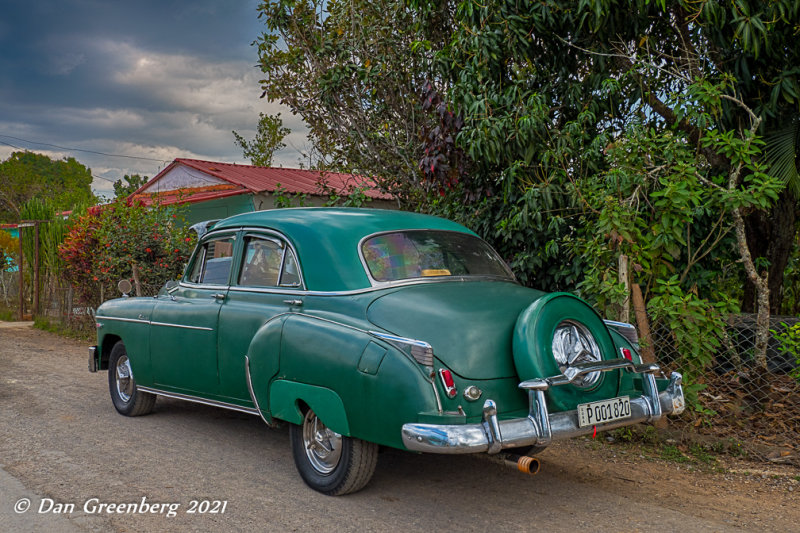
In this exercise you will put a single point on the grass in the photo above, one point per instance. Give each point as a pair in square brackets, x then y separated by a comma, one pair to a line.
[649, 441]
[45, 324]
[673, 454]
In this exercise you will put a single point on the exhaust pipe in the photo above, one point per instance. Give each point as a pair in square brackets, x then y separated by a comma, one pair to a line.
[524, 463]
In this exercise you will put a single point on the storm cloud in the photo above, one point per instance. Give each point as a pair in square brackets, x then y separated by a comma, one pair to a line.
[153, 80]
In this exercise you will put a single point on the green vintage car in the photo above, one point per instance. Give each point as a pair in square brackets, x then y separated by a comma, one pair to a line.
[364, 328]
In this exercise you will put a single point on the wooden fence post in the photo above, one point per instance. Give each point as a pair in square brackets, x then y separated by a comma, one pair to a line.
[625, 312]
[136, 283]
[645, 339]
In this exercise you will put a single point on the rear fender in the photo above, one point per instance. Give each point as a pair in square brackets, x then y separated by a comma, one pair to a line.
[286, 398]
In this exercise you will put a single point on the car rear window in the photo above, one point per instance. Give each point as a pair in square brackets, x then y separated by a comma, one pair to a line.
[416, 254]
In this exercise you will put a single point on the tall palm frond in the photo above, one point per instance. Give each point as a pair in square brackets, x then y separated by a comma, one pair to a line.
[783, 153]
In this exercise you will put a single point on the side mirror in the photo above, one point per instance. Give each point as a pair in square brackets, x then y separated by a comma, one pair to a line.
[171, 284]
[124, 286]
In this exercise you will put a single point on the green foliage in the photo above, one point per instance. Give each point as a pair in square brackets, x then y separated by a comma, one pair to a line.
[24, 175]
[52, 229]
[128, 185]
[352, 70]
[352, 197]
[283, 198]
[103, 245]
[789, 340]
[269, 139]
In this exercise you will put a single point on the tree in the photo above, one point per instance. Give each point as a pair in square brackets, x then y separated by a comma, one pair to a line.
[66, 182]
[128, 185]
[269, 139]
[605, 128]
[352, 71]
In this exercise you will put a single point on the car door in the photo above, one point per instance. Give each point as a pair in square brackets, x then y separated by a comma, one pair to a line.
[184, 327]
[266, 285]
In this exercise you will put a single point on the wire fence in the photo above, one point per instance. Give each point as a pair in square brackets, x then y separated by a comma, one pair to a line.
[732, 396]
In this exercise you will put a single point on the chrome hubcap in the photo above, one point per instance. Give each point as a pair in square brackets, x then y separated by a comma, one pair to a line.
[323, 446]
[573, 344]
[124, 379]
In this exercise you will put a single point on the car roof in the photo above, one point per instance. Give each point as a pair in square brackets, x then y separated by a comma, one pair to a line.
[326, 239]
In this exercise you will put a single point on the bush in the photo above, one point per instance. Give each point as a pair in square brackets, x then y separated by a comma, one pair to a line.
[103, 246]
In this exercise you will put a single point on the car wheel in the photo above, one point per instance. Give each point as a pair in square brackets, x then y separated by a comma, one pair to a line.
[329, 462]
[127, 399]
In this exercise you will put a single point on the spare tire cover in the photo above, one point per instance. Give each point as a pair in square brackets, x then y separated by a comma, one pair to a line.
[533, 348]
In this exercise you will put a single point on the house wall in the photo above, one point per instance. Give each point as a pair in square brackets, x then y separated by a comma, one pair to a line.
[219, 208]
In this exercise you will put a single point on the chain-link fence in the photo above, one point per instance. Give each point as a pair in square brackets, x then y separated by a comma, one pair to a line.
[735, 398]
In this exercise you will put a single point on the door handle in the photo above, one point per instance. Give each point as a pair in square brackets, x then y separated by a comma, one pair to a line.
[218, 296]
[293, 303]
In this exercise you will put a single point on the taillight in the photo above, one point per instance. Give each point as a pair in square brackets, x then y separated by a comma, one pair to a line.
[626, 353]
[447, 382]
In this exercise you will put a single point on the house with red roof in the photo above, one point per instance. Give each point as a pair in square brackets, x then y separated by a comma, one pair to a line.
[216, 190]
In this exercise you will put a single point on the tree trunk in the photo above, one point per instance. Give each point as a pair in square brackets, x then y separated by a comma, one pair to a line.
[771, 235]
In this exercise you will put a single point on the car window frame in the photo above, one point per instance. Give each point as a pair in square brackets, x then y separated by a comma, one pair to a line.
[200, 255]
[285, 249]
[286, 244]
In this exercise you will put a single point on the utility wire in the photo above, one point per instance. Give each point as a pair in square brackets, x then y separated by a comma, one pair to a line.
[80, 150]
[11, 145]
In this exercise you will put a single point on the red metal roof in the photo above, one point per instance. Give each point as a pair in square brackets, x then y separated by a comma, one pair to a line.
[248, 178]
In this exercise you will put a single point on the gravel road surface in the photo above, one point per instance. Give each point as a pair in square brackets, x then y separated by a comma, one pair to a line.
[82, 467]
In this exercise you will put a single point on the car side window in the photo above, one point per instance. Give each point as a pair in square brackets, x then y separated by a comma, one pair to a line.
[262, 263]
[290, 275]
[213, 263]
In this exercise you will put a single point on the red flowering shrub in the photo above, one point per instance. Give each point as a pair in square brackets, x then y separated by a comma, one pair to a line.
[103, 246]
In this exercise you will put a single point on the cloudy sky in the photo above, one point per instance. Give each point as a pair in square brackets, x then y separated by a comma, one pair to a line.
[149, 79]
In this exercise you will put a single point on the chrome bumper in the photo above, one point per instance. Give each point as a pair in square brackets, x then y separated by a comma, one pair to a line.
[92, 358]
[539, 428]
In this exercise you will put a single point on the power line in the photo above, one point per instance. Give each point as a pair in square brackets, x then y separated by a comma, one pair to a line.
[11, 145]
[80, 150]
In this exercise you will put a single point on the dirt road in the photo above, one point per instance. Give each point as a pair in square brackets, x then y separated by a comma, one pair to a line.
[65, 450]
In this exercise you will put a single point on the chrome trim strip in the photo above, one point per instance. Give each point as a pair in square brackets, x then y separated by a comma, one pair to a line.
[169, 325]
[616, 324]
[204, 401]
[250, 390]
[135, 320]
[190, 285]
[404, 340]
[354, 292]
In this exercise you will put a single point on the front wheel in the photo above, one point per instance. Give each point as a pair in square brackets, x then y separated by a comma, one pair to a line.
[328, 462]
[127, 398]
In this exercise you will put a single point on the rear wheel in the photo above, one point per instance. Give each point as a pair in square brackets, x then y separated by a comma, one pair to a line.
[127, 398]
[329, 462]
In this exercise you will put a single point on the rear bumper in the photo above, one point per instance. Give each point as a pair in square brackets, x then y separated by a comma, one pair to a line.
[540, 428]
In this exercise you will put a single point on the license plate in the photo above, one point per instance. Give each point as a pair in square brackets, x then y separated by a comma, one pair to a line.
[596, 413]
